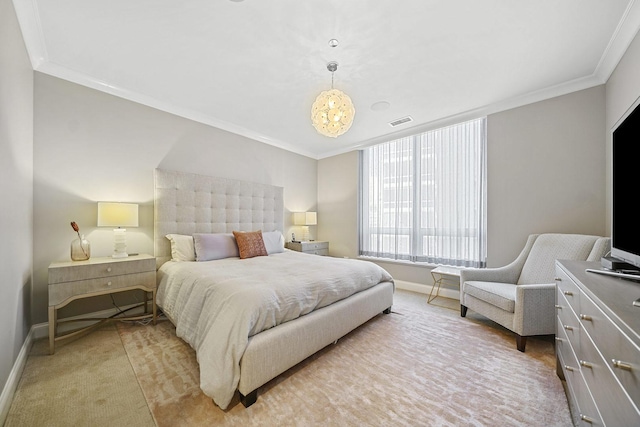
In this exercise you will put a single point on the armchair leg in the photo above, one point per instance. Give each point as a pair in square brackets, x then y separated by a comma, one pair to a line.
[463, 310]
[521, 342]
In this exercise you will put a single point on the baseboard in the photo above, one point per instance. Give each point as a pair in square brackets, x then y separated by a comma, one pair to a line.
[14, 376]
[426, 289]
[41, 330]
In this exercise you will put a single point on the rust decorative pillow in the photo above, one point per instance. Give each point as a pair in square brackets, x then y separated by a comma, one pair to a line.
[250, 244]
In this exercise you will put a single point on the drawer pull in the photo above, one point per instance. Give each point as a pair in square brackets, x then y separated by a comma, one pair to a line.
[587, 419]
[108, 269]
[557, 279]
[567, 327]
[622, 365]
[585, 317]
[569, 368]
[559, 340]
[568, 293]
[108, 283]
[586, 364]
[558, 306]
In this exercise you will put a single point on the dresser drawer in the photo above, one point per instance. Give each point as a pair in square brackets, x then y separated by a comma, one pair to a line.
[60, 292]
[569, 289]
[578, 391]
[99, 267]
[614, 345]
[615, 407]
[567, 321]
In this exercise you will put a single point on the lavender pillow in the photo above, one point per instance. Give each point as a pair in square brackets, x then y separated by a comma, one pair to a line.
[215, 246]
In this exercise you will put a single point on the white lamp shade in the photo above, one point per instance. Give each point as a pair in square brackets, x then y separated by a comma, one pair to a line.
[117, 214]
[305, 218]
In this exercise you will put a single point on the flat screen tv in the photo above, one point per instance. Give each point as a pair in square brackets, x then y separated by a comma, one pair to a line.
[625, 212]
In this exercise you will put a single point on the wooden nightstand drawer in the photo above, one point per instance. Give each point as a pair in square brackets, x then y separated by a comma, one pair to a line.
[59, 292]
[323, 252]
[99, 267]
[316, 248]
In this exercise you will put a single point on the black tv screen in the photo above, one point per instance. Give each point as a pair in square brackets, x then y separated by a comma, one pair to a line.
[625, 227]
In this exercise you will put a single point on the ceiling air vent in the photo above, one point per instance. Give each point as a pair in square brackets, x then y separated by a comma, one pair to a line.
[400, 121]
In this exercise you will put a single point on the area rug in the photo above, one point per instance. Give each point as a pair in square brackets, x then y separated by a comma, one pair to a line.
[87, 382]
[420, 365]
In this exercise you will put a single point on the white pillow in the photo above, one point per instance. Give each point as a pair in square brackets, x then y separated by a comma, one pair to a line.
[182, 248]
[273, 241]
[215, 246]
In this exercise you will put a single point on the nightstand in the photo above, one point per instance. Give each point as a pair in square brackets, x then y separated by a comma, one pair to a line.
[72, 280]
[316, 248]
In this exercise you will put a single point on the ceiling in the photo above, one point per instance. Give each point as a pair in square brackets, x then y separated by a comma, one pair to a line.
[254, 67]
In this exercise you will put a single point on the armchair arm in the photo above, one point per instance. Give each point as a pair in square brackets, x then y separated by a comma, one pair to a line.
[600, 249]
[535, 312]
[507, 274]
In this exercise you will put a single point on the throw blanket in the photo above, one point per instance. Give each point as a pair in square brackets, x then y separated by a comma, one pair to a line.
[217, 305]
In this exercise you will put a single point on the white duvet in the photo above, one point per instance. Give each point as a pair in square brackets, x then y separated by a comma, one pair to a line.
[217, 305]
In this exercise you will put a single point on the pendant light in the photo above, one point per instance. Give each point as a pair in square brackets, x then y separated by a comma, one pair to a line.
[332, 112]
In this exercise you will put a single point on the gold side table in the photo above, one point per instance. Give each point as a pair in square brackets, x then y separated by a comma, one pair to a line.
[443, 274]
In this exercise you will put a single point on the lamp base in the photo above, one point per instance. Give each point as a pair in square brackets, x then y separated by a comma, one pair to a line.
[119, 243]
[119, 255]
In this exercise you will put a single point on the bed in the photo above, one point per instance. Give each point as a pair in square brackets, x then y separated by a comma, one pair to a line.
[210, 302]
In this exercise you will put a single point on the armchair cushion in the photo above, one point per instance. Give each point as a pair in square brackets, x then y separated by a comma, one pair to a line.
[502, 295]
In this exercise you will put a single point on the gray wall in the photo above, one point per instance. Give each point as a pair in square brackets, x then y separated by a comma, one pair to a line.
[90, 147]
[546, 173]
[16, 189]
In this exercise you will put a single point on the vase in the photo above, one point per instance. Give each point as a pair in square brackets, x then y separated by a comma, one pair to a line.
[80, 249]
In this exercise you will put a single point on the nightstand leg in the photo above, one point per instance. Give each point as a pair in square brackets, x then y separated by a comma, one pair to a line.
[53, 319]
[154, 307]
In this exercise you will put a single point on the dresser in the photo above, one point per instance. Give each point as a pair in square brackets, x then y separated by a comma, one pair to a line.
[598, 345]
[316, 248]
[73, 280]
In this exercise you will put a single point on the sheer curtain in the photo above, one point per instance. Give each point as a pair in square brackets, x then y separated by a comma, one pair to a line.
[423, 197]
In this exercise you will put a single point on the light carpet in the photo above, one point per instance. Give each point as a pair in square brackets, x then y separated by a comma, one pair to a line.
[87, 382]
[421, 365]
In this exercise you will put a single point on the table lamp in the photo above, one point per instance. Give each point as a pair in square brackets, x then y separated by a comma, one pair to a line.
[118, 215]
[305, 219]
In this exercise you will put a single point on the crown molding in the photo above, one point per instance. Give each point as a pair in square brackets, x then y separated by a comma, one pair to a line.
[30, 25]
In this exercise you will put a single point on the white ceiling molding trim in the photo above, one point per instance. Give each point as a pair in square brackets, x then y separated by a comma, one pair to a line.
[508, 104]
[29, 19]
[619, 43]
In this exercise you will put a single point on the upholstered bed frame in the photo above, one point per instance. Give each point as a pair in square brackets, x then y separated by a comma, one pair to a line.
[188, 203]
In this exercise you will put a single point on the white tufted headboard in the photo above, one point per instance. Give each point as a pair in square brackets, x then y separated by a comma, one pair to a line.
[186, 203]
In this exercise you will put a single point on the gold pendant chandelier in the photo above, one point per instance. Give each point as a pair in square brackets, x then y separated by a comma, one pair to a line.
[332, 112]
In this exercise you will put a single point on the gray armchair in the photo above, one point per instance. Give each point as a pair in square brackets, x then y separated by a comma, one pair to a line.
[521, 295]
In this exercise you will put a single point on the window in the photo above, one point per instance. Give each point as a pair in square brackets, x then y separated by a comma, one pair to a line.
[423, 197]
